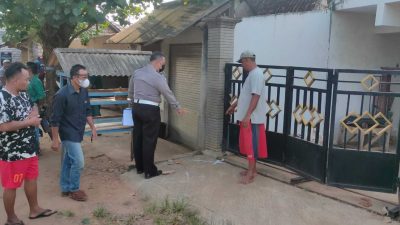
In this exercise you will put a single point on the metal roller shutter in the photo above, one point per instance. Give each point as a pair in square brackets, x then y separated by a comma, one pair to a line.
[184, 80]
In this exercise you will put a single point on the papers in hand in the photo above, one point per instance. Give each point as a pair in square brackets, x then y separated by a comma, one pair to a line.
[127, 117]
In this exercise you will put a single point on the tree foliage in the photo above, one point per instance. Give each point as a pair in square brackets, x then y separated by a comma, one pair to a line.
[86, 36]
[198, 2]
[55, 23]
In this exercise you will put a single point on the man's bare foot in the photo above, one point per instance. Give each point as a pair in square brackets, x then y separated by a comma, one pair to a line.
[20, 222]
[14, 221]
[244, 173]
[247, 179]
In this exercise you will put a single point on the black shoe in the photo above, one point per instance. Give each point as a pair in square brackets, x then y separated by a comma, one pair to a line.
[139, 171]
[148, 176]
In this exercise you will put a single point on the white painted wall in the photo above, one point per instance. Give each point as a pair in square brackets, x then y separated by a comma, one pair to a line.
[304, 40]
[352, 4]
[349, 4]
[387, 19]
[344, 40]
[354, 44]
[290, 39]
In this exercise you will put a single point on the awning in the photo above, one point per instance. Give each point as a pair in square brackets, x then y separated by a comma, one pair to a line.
[103, 62]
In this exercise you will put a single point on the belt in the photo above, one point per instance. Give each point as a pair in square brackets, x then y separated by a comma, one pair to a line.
[146, 102]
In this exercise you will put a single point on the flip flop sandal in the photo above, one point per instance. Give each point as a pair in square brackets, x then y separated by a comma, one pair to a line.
[18, 223]
[45, 213]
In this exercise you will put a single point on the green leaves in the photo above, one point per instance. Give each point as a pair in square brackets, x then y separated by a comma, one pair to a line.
[76, 11]
[50, 6]
[198, 2]
[57, 22]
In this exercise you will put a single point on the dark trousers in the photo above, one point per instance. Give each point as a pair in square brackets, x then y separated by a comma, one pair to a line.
[145, 134]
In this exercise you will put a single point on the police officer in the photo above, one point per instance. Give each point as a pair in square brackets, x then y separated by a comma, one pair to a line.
[145, 89]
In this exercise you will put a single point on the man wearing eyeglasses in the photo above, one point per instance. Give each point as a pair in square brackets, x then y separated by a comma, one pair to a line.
[71, 112]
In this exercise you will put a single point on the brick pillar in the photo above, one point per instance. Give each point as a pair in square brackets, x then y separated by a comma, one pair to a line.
[219, 52]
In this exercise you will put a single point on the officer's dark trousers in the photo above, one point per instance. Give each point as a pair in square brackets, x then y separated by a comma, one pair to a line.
[145, 133]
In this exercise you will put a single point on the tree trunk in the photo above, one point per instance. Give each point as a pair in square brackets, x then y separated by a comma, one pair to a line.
[53, 38]
[51, 77]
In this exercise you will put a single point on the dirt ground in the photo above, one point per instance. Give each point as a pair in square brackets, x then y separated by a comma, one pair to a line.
[105, 160]
[210, 187]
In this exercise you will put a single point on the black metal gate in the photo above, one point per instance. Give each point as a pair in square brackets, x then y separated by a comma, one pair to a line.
[363, 151]
[298, 123]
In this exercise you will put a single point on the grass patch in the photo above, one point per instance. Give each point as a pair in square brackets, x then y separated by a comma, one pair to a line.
[67, 213]
[105, 217]
[85, 221]
[167, 212]
[101, 212]
[176, 212]
[131, 220]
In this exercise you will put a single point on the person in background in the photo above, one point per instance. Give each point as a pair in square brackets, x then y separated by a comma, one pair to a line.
[5, 64]
[18, 159]
[36, 93]
[251, 111]
[41, 68]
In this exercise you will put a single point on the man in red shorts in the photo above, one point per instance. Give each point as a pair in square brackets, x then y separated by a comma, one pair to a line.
[251, 112]
[18, 159]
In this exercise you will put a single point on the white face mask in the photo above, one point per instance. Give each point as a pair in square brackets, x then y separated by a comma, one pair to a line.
[84, 83]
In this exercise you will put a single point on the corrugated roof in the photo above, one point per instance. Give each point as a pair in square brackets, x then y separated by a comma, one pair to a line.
[103, 62]
[268, 7]
[168, 20]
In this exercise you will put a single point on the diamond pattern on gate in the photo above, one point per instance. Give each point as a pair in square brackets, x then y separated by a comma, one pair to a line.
[267, 75]
[387, 125]
[366, 123]
[297, 113]
[317, 118]
[309, 78]
[233, 101]
[347, 122]
[237, 72]
[274, 109]
[370, 82]
[359, 123]
[308, 116]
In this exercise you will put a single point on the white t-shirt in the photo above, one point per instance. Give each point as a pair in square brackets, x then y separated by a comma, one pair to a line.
[254, 84]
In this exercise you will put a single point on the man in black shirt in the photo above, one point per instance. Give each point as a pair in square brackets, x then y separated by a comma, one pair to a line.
[71, 111]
